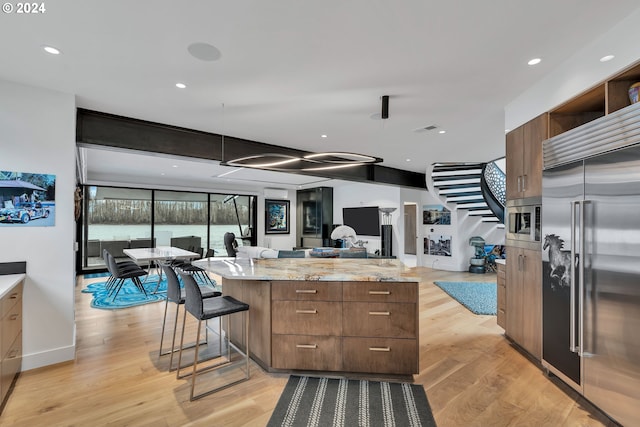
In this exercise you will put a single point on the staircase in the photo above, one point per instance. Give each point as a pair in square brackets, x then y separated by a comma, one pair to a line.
[478, 188]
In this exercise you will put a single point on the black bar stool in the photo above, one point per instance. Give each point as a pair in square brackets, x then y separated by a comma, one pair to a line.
[177, 295]
[211, 308]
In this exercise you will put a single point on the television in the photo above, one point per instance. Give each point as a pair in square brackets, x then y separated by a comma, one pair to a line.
[365, 221]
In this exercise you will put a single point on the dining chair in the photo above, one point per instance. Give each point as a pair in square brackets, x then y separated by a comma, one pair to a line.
[121, 273]
[230, 244]
[210, 308]
[176, 295]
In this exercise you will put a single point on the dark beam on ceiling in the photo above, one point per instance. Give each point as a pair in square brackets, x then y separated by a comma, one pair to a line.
[109, 130]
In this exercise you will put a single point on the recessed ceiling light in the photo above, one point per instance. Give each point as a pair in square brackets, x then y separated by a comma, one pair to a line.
[607, 58]
[534, 61]
[181, 85]
[323, 136]
[52, 50]
[442, 131]
[408, 160]
[174, 166]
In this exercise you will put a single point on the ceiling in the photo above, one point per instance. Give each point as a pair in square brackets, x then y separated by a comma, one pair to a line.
[291, 71]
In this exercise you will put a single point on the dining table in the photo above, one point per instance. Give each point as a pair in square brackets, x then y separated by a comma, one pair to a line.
[161, 255]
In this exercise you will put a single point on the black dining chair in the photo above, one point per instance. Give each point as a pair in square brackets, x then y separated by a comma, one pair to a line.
[211, 308]
[176, 294]
[230, 244]
[120, 273]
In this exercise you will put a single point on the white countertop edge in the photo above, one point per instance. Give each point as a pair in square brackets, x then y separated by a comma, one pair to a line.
[8, 282]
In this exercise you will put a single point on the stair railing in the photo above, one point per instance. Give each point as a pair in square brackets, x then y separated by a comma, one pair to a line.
[493, 184]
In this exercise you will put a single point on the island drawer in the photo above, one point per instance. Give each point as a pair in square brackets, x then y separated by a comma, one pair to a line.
[380, 291]
[306, 318]
[380, 355]
[367, 319]
[306, 290]
[11, 365]
[312, 352]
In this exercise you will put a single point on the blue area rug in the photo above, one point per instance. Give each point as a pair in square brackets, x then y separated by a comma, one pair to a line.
[94, 275]
[478, 297]
[129, 295]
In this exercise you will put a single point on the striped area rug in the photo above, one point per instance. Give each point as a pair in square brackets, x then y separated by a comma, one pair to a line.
[308, 401]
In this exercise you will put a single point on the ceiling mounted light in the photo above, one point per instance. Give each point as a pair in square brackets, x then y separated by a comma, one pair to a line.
[442, 131]
[534, 61]
[52, 50]
[607, 58]
[181, 85]
[307, 163]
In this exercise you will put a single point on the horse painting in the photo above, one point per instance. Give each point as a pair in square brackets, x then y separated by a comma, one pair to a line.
[559, 261]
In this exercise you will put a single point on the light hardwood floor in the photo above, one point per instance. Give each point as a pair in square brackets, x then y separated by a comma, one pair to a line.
[472, 376]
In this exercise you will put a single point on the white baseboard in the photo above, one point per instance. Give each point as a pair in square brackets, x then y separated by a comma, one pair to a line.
[49, 357]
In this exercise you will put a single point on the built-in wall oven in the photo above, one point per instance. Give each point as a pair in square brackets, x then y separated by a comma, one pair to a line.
[523, 223]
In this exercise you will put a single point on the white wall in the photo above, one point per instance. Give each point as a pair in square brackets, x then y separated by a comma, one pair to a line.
[37, 134]
[352, 194]
[581, 71]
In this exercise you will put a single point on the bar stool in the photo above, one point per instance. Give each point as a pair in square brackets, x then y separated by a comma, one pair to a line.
[211, 308]
[177, 295]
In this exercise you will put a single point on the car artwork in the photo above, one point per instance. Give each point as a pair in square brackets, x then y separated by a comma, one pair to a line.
[23, 212]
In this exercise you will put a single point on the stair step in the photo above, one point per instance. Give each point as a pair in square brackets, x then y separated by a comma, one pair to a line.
[439, 167]
[462, 172]
[472, 206]
[472, 197]
[455, 178]
[472, 186]
[480, 212]
[453, 192]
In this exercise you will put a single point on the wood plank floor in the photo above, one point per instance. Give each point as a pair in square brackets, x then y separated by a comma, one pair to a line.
[472, 376]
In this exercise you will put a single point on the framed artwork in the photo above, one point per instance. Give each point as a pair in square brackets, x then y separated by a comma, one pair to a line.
[276, 216]
[439, 245]
[436, 214]
[27, 199]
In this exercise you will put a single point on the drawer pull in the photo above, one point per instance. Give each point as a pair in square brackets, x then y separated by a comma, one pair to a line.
[312, 346]
[14, 295]
[379, 313]
[13, 354]
[379, 349]
[14, 316]
[379, 292]
[306, 311]
[306, 291]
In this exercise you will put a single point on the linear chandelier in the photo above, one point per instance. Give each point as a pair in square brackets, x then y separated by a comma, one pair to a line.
[307, 163]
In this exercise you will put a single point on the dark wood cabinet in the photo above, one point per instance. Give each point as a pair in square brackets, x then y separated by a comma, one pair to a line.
[314, 213]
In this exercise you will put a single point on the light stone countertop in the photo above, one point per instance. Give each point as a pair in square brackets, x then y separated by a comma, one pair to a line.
[8, 281]
[320, 269]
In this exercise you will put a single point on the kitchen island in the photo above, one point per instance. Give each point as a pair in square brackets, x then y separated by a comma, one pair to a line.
[338, 315]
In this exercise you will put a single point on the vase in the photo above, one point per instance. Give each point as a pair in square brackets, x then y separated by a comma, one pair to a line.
[633, 92]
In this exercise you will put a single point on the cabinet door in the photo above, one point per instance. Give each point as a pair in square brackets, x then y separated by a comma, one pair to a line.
[502, 296]
[535, 131]
[532, 302]
[514, 327]
[515, 154]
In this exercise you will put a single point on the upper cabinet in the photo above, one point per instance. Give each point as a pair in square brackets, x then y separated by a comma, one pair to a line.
[605, 98]
[524, 158]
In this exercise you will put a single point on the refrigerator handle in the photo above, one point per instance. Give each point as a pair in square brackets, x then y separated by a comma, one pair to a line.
[572, 290]
[581, 271]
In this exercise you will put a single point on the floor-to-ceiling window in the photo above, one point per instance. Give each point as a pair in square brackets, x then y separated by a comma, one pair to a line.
[231, 213]
[119, 218]
[115, 217]
[180, 219]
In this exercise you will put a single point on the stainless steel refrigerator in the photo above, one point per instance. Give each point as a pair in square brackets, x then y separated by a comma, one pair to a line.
[591, 262]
